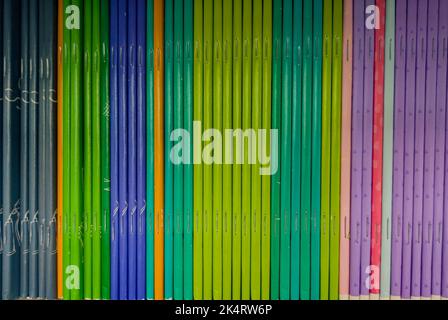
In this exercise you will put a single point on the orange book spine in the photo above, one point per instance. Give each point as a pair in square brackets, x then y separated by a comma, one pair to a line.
[158, 148]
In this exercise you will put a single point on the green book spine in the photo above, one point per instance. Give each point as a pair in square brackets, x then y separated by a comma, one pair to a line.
[66, 132]
[150, 151]
[96, 153]
[257, 82]
[87, 146]
[188, 168]
[285, 227]
[76, 154]
[296, 142]
[178, 167]
[336, 112]
[266, 125]
[217, 166]
[237, 150]
[276, 123]
[306, 155]
[326, 149]
[208, 168]
[313, 268]
[246, 170]
[198, 87]
[105, 150]
[227, 151]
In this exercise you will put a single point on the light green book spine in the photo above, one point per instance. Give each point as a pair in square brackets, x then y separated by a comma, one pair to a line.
[237, 168]
[197, 154]
[96, 153]
[76, 156]
[217, 166]
[246, 170]
[208, 168]
[87, 177]
[257, 113]
[105, 152]
[326, 150]
[388, 149]
[336, 114]
[276, 125]
[66, 170]
[227, 151]
[266, 125]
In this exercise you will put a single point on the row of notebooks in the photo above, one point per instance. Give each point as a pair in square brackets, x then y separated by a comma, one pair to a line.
[28, 149]
[340, 194]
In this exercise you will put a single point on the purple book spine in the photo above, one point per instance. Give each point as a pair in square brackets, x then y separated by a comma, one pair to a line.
[114, 205]
[356, 161]
[369, 55]
[430, 131]
[441, 97]
[399, 126]
[141, 150]
[419, 144]
[132, 149]
[123, 148]
[445, 217]
[409, 148]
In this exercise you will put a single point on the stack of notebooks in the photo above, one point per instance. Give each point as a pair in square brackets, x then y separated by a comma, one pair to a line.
[224, 149]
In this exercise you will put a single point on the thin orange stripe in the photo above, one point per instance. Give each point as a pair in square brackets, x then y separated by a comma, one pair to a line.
[158, 148]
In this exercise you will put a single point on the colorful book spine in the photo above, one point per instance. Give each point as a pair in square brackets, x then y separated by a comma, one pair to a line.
[208, 170]
[86, 147]
[150, 150]
[1, 145]
[266, 124]
[377, 166]
[296, 143]
[442, 74]
[246, 168]
[96, 153]
[398, 168]
[132, 148]
[114, 153]
[227, 151]
[357, 149]
[388, 149]
[66, 196]
[427, 234]
[237, 168]
[188, 222]
[141, 150]
[257, 81]
[123, 150]
[178, 164]
[285, 141]
[217, 165]
[169, 169]
[419, 147]
[276, 125]
[158, 150]
[326, 147]
[335, 181]
[105, 119]
[197, 153]
[346, 118]
[312, 269]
